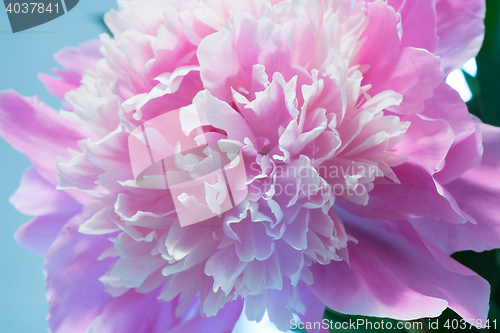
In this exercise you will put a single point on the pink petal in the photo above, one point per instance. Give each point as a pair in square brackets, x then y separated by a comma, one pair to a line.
[477, 193]
[146, 18]
[36, 196]
[225, 267]
[74, 293]
[127, 56]
[152, 107]
[426, 143]
[172, 46]
[37, 131]
[466, 150]
[227, 57]
[413, 73]
[38, 234]
[221, 115]
[460, 29]
[57, 86]
[314, 308]
[132, 207]
[134, 312]
[223, 322]
[418, 18]
[394, 273]
[271, 109]
[254, 242]
[75, 61]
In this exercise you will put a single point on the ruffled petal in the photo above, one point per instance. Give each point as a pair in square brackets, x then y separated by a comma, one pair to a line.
[227, 58]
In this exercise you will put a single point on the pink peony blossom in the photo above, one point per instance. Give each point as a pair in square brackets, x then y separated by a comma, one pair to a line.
[355, 170]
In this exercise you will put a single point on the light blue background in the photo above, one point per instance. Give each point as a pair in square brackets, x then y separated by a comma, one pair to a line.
[22, 56]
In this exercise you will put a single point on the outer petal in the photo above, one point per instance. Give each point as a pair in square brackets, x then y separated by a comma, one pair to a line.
[466, 150]
[36, 196]
[134, 313]
[460, 27]
[477, 193]
[426, 143]
[37, 131]
[314, 308]
[76, 61]
[411, 72]
[394, 273]
[418, 19]
[72, 269]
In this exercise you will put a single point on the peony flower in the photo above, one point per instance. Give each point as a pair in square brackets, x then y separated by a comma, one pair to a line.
[285, 155]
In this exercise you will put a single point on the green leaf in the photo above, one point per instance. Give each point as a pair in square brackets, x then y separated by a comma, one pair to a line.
[471, 82]
[486, 102]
